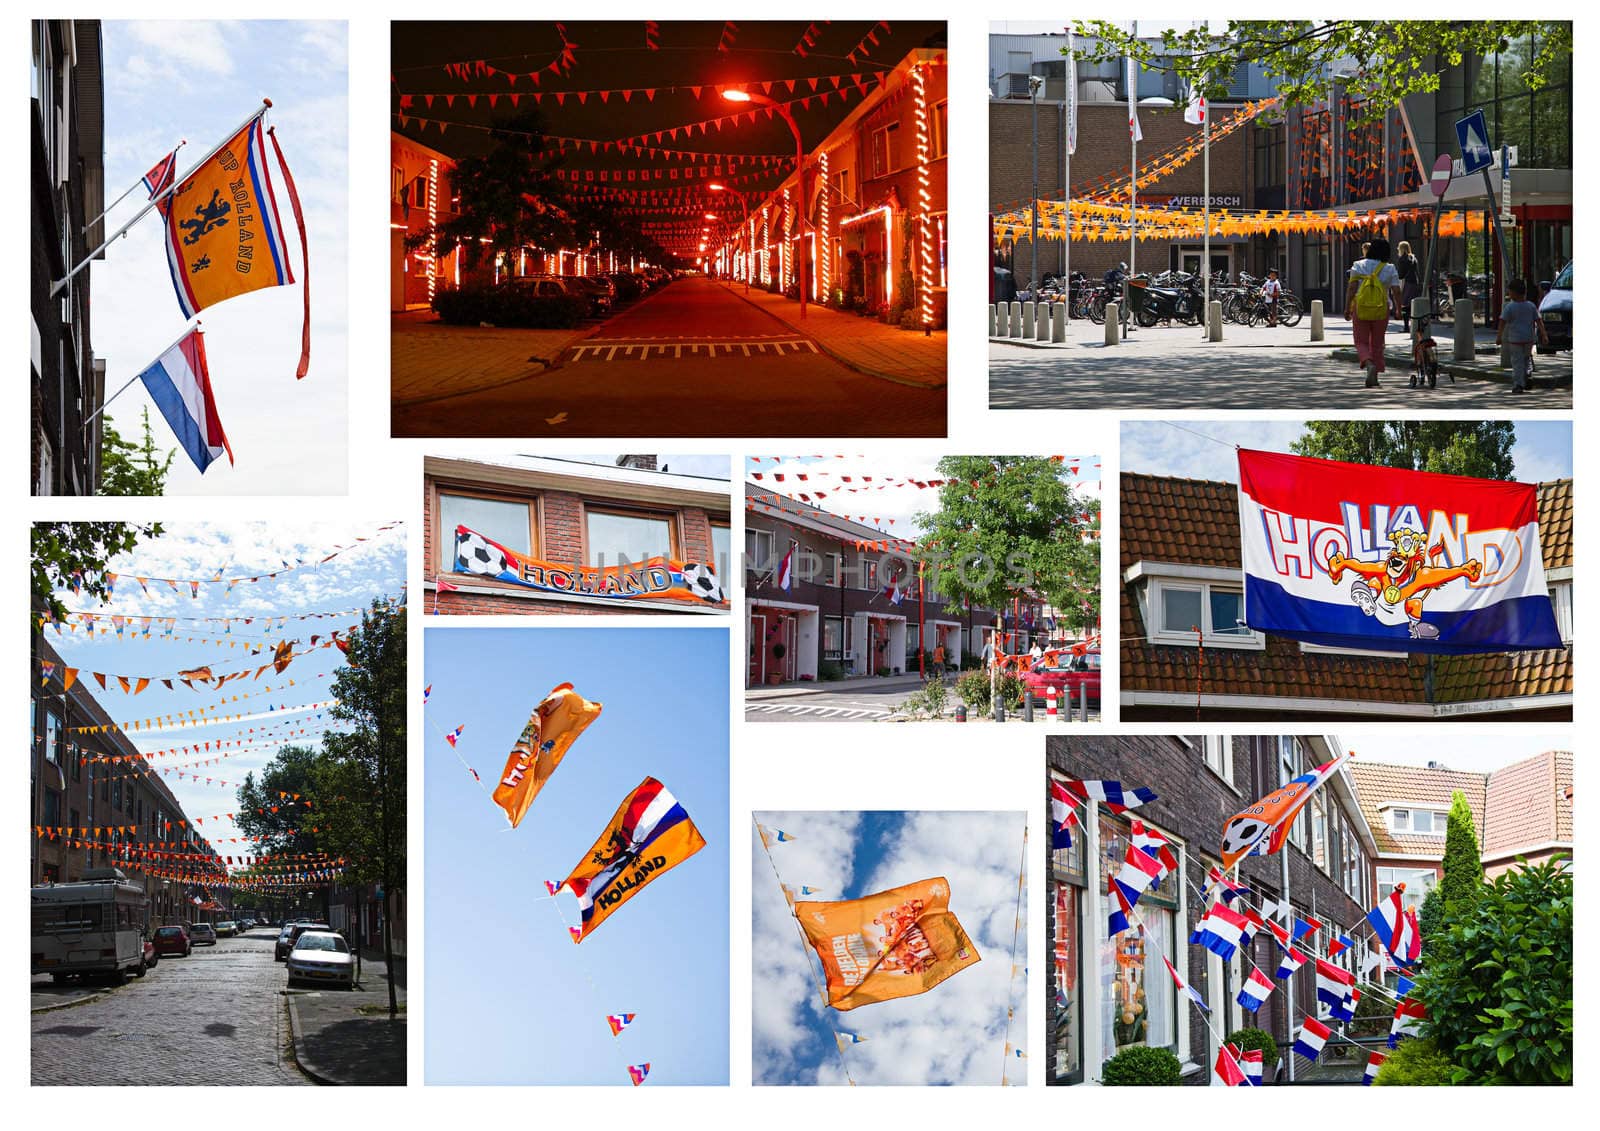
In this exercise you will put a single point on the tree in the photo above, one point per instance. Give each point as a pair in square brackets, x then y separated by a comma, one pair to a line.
[1463, 870]
[288, 831]
[1479, 448]
[509, 197]
[1430, 918]
[1390, 59]
[74, 554]
[127, 468]
[361, 781]
[1498, 980]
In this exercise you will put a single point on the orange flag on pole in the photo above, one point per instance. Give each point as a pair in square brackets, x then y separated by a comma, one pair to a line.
[891, 944]
[553, 727]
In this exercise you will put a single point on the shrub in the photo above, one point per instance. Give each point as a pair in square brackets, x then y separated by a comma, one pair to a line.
[883, 669]
[1247, 1039]
[1498, 980]
[1010, 687]
[933, 694]
[510, 306]
[1142, 1066]
[911, 320]
[1462, 881]
[973, 687]
[1417, 1062]
[829, 671]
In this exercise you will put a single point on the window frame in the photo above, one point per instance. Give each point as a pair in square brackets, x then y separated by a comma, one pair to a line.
[673, 519]
[534, 503]
[1159, 586]
[891, 150]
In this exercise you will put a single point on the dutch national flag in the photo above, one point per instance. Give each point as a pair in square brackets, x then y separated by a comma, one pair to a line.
[1220, 931]
[1140, 872]
[1334, 985]
[1291, 961]
[1304, 926]
[1257, 988]
[785, 577]
[1312, 1036]
[1374, 1062]
[1110, 793]
[1063, 816]
[1254, 1063]
[180, 385]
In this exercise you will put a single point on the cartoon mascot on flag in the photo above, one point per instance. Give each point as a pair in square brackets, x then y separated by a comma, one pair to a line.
[1393, 589]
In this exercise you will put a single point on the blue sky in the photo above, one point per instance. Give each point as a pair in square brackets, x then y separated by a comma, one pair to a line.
[953, 1034]
[510, 999]
[1543, 449]
[197, 80]
[199, 550]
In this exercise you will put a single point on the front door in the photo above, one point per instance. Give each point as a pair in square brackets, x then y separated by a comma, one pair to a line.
[757, 673]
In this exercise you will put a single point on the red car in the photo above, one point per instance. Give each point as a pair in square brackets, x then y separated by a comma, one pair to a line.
[1077, 672]
[173, 939]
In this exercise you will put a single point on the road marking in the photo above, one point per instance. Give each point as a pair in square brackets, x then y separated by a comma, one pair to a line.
[660, 350]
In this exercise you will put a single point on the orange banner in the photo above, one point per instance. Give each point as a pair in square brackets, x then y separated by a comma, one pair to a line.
[891, 944]
[552, 729]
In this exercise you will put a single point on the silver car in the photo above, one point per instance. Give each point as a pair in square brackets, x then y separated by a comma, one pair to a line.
[322, 956]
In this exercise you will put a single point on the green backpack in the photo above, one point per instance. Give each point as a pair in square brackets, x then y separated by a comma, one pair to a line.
[1372, 298]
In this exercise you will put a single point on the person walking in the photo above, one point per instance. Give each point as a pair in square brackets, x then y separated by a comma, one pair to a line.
[1271, 291]
[1369, 301]
[1519, 323]
[938, 659]
[1405, 264]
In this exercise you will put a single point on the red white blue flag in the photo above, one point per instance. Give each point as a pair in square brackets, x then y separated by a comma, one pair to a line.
[1374, 1062]
[1388, 921]
[1312, 1036]
[637, 1073]
[1220, 930]
[1354, 556]
[159, 178]
[618, 1022]
[1063, 816]
[1291, 961]
[180, 385]
[1109, 793]
[1194, 994]
[1257, 988]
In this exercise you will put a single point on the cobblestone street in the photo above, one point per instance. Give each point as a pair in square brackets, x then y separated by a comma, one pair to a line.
[216, 1017]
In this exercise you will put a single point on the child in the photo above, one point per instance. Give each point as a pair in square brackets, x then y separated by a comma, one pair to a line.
[1519, 322]
[1270, 291]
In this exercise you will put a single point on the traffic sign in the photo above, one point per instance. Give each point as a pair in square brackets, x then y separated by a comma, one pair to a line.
[1439, 180]
[1472, 135]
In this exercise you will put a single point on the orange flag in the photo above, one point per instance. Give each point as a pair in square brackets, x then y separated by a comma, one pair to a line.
[553, 727]
[891, 944]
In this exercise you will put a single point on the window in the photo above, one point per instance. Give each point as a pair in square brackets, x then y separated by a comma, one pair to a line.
[1561, 601]
[52, 808]
[52, 737]
[1290, 760]
[1422, 822]
[721, 547]
[1419, 882]
[1137, 1001]
[837, 630]
[1218, 753]
[886, 149]
[1319, 831]
[868, 574]
[835, 565]
[612, 537]
[941, 123]
[841, 186]
[1066, 1039]
[1269, 154]
[758, 550]
[1216, 608]
[499, 520]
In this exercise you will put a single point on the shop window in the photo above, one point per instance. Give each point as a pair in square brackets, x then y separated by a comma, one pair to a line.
[505, 521]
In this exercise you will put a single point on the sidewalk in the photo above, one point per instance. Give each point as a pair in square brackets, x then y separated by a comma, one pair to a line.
[346, 1037]
[820, 687]
[863, 344]
[46, 994]
[428, 359]
[1550, 371]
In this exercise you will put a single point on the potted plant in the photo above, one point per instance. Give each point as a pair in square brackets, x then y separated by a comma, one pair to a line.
[779, 651]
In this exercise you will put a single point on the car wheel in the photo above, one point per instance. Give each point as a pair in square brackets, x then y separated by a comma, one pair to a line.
[139, 970]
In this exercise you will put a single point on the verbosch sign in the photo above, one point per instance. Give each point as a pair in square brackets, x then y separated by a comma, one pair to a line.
[1443, 170]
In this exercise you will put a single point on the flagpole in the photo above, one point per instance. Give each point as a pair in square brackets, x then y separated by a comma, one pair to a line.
[90, 418]
[177, 183]
[173, 154]
[1070, 102]
[1133, 182]
[1205, 255]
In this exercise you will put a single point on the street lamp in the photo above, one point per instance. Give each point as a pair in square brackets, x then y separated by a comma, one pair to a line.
[749, 259]
[1034, 83]
[737, 95]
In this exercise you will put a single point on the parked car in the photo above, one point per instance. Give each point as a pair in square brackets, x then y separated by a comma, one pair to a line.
[227, 929]
[202, 934]
[322, 956]
[597, 289]
[291, 935]
[151, 954]
[173, 939]
[1556, 311]
[1067, 678]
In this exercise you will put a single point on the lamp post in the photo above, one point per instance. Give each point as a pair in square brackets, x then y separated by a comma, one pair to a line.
[737, 95]
[1034, 83]
[749, 257]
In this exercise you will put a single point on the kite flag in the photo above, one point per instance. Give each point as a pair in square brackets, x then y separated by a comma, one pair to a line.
[1063, 816]
[550, 732]
[619, 1022]
[1312, 1036]
[649, 834]
[849, 1038]
[1231, 889]
[450, 736]
[637, 1072]
[1257, 988]
[887, 945]
[653, 579]
[1254, 1065]
[180, 385]
[224, 236]
[1291, 961]
[426, 691]
[1354, 556]
[1262, 828]
[1228, 1071]
[1306, 926]
[1220, 930]
[1194, 994]
[1108, 793]
[1374, 1062]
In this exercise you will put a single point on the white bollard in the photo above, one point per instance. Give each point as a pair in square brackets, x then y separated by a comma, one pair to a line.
[1002, 320]
[1016, 321]
[1050, 703]
[1465, 340]
[992, 315]
[1041, 322]
[1024, 328]
[1113, 324]
[1058, 323]
[1317, 333]
[1214, 321]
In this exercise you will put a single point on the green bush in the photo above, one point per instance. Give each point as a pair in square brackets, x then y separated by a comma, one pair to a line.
[883, 669]
[830, 671]
[1498, 980]
[934, 695]
[973, 688]
[1247, 1039]
[511, 306]
[1416, 1063]
[1142, 1066]
[1010, 688]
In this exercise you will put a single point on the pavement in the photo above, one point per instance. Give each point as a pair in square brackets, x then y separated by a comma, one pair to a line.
[867, 699]
[346, 1036]
[216, 1017]
[1252, 368]
[690, 359]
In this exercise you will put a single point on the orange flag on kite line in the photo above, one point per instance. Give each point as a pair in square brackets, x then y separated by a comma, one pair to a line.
[553, 727]
[891, 944]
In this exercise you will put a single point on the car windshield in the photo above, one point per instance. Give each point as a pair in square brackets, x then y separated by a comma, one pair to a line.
[322, 942]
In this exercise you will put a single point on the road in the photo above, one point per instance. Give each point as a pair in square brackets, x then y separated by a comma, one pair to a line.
[216, 1017]
[693, 359]
[865, 702]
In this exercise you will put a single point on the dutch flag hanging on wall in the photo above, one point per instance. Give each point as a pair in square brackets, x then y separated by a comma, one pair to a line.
[1355, 556]
[180, 385]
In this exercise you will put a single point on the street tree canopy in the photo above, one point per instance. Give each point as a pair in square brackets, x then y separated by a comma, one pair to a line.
[1391, 59]
[1479, 448]
[66, 554]
[509, 197]
[128, 468]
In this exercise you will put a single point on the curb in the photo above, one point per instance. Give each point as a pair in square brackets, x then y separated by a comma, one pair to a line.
[68, 1004]
[318, 1075]
[1459, 369]
[844, 361]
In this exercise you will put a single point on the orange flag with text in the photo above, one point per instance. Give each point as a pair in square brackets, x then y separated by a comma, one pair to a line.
[553, 727]
[891, 944]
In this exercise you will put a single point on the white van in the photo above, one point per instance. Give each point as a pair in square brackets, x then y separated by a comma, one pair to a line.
[91, 926]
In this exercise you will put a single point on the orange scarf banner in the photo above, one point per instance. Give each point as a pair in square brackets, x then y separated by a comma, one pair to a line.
[553, 727]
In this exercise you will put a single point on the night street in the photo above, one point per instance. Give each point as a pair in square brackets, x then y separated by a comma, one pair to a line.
[216, 1017]
[693, 359]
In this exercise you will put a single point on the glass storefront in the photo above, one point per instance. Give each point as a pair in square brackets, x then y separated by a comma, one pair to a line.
[1538, 123]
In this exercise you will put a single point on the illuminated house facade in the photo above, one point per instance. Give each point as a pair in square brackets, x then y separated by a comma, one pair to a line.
[421, 196]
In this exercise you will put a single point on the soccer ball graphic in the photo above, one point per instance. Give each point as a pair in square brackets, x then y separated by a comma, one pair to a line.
[1240, 834]
[699, 580]
[476, 554]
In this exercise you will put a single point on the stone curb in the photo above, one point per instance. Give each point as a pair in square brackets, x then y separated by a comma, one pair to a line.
[1396, 358]
[309, 1067]
[68, 1004]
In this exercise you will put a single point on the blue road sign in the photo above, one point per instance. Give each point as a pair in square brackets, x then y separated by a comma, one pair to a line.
[1472, 135]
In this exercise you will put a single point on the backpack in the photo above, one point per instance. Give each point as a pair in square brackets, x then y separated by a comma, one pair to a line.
[1372, 297]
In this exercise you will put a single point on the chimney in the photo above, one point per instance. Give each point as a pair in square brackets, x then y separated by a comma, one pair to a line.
[638, 463]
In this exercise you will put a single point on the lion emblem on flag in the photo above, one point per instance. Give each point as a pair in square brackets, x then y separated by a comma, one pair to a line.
[1393, 588]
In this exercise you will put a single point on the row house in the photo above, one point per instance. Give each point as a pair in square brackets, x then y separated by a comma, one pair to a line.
[421, 197]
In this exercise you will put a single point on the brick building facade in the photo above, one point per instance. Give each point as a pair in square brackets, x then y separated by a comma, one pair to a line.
[570, 512]
[421, 197]
[1107, 994]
